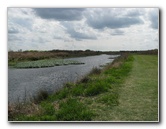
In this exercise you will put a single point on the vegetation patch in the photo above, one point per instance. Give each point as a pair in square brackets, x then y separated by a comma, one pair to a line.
[44, 63]
[41, 95]
[73, 110]
[110, 99]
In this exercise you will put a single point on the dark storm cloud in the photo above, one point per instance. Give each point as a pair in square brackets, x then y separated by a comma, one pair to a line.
[153, 17]
[61, 14]
[111, 19]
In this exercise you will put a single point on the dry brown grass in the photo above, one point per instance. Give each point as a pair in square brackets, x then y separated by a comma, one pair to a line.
[22, 108]
[19, 56]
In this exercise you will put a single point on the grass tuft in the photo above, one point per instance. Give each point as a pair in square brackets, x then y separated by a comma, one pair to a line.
[96, 88]
[73, 110]
[95, 71]
[41, 95]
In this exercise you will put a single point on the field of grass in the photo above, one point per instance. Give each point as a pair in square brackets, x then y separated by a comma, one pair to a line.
[126, 90]
[138, 95]
[43, 63]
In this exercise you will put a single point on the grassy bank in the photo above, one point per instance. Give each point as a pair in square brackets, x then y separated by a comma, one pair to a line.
[102, 95]
[138, 98]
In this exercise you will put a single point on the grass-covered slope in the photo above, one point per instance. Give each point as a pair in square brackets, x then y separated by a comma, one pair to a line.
[138, 97]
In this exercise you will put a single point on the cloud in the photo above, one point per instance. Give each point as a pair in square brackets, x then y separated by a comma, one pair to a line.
[16, 38]
[58, 37]
[39, 40]
[102, 18]
[25, 23]
[13, 30]
[60, 14]
[96, 28]
[79, 35]
[135, 12]
[117, 32]
[77, 32]
[19, 20]
[154, 18]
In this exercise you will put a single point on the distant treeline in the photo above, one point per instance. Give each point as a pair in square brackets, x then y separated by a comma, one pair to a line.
[146, 52]
[37, 55]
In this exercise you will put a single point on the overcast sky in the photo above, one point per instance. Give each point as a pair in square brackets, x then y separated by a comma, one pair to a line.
[104, 29]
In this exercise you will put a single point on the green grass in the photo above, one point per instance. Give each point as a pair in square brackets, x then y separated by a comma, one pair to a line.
[110, 99]
[73, 110]
[43, 63]
[138, 95]
[126, 90]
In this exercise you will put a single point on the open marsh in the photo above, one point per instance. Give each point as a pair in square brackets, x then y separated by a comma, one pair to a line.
[25, 83]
